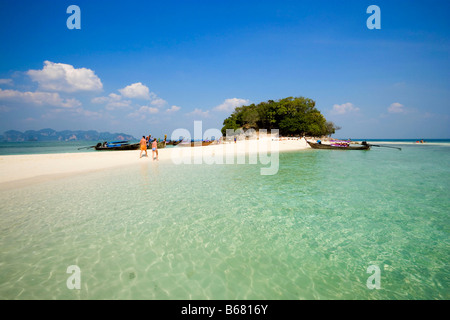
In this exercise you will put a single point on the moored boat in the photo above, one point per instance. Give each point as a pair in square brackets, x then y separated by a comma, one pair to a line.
[363, 146]
[161, 144]
[116, 146]
[172, 143]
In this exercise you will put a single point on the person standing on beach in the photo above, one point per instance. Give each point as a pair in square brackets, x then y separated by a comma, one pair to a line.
[155, 149]
[143, 144]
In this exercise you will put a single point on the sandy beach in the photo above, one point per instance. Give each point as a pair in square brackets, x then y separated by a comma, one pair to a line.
[19, 170]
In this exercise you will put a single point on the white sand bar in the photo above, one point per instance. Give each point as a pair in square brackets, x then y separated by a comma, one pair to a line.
[36, 167]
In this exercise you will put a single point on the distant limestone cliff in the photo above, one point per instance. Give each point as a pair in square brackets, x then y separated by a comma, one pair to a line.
[66, 135]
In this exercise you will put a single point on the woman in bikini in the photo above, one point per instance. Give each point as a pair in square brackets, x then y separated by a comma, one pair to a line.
[155, 149]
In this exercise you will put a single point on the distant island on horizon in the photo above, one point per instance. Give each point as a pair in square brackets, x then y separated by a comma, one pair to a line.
[65, 135]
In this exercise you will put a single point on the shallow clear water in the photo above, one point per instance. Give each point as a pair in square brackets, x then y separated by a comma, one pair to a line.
[45, 147]
[165, 231]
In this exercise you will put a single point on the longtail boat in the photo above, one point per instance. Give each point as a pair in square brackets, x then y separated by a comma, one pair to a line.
[314, 145]
[172, 143]
[123, 145]
[161, 144]
[116, 146]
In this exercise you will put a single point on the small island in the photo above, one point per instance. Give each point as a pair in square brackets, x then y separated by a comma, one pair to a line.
[292, 116]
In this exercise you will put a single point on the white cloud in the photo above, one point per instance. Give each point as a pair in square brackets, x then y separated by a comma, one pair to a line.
[199, 112]
[125, 104]
[159, 102]
[143, 112]
[115, 97]
[147, 109]
[88, 113]
[396, 108]
[6, 81]
[344, 108]
[173, 109]
[70, 103]
[136, 91]
[133, 91]
[230, 104]
[100, 100]
[113, 101]
[64, 77]
[39, 98]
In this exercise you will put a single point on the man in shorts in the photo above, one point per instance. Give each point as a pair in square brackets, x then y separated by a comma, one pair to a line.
[143, 144]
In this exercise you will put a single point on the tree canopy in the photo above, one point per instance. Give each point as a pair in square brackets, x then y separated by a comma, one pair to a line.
[292, 116]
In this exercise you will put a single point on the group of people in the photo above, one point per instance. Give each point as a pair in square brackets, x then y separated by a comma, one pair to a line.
[145, 141]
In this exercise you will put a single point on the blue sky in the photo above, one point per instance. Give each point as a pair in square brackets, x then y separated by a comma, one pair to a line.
[143, 67]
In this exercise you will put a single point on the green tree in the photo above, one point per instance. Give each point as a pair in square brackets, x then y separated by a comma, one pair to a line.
[292, 116]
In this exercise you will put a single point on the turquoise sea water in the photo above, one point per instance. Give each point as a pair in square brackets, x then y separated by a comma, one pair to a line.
[162, 231]
[47, 147]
